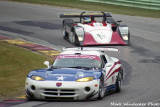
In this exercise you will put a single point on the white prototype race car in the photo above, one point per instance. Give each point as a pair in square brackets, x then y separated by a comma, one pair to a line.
[76, 74]
[94, 28]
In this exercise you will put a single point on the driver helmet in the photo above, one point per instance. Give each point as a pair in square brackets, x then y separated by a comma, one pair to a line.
[87, 20]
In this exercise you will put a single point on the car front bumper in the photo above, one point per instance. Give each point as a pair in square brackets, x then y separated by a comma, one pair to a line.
[68, 90]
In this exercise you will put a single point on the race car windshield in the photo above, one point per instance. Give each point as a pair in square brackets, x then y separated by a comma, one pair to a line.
[77, 61]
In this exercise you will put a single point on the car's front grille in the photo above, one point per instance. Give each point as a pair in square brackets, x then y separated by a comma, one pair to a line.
[50, 89]
[63, 94]
[59, 98]
[59, 92]
[49, 93]
[68, 90]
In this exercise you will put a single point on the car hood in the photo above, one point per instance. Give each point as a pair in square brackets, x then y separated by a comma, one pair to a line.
[65, 74]
[101, 34]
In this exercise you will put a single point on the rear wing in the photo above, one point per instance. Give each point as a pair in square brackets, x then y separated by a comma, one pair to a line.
[91, 49]
[84, 14]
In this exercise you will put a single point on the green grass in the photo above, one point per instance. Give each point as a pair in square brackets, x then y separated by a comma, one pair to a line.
[97, 7]
[15, 64]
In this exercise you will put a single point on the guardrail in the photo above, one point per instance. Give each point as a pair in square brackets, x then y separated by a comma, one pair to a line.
[147, 4]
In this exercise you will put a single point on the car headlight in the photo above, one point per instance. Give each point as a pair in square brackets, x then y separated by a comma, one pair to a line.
[80, 38]
[37, 78]
[80, 33]
[85, 79]
[125, 37]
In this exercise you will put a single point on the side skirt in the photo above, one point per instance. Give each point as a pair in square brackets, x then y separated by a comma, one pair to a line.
[110, 89]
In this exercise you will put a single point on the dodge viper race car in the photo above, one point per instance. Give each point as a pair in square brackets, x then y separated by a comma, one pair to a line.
[94, 28]
[76, 75]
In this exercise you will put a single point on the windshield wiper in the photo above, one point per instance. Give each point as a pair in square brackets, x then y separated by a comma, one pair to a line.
[80, 67]
[55, 67]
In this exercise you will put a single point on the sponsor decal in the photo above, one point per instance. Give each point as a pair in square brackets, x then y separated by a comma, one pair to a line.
[80, 56]
[99, 36]
[60, 78]
[58, 84]
[81, 75]
[95, 76]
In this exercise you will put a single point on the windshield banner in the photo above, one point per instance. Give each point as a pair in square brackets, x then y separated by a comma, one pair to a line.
[80, 56]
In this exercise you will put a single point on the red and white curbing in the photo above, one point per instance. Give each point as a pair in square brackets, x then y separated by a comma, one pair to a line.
[32, 46]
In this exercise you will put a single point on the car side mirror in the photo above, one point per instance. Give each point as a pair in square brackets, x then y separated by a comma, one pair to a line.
[46, 63]
[108, 65]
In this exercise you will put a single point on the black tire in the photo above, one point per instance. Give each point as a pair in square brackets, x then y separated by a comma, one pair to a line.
[68, 22]
[101, 92]
[119, 82]
[29, 98]
[29, 95]
[129, 39]
[64, 33]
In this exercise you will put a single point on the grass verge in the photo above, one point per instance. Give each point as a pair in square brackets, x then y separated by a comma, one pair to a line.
[98, 7]
[15, 64]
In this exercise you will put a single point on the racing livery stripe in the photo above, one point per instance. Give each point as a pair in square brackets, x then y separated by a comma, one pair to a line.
[113, 73]
[105, 83]
[118, 62]
[112, 69]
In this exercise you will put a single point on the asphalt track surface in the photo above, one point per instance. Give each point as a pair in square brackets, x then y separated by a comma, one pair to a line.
[141, 61]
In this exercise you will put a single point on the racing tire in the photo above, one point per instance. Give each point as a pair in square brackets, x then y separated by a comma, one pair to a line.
[119, 82]
[66, 22]
[29, 98]
[129, 44]
[29, 95]
[64, 33]
[101, 92]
